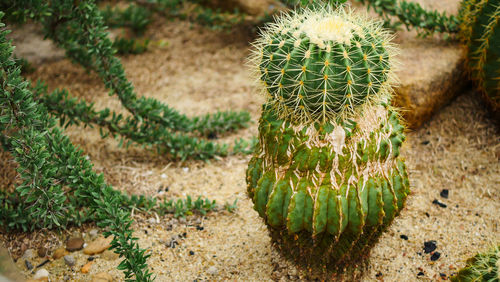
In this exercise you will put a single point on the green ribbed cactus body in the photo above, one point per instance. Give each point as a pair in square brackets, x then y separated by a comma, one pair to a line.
[480, 33]
[321, 66]
[326, 175]
[481, 267]
[327, 191]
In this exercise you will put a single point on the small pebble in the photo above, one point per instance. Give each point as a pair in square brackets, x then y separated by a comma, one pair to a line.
[98, 246]
[69, 260]
[86, 267]
[435, 256]
[436, 202]
[429, 246]
[28, 254]
[212, 270]
[59, 253]
[42, 252]
[404, 237]
[420, 274]
[40, 274]
[444, 193]
[28, 264]
[191, 253]
[74, 244]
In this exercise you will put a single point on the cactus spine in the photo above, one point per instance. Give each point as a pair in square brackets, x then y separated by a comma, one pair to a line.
[326, 174]
[480, 34]
[481, 267]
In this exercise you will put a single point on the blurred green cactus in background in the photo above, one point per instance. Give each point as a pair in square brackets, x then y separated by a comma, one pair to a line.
[481, 267]
[326, 174]
[480, 34]
[476, 26]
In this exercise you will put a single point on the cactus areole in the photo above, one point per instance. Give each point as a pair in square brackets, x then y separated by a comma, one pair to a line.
[326, 175]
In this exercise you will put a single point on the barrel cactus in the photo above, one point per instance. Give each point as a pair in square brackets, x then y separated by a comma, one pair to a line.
[480, 34]
[326, 174]
[481, 267]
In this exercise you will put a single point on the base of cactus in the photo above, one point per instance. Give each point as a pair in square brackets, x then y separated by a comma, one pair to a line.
[345, 256]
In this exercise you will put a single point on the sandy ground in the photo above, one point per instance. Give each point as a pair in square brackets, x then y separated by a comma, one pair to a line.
[201, 71]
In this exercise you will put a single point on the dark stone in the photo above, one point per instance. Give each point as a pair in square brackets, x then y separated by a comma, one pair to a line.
[436, 202]
[43, 263]
[444, 193]
[430, 246]
[420, 274]
[435, 256]
[91, 258]
[191, 253]
[199, 228]
[404, 237]
[28, 264]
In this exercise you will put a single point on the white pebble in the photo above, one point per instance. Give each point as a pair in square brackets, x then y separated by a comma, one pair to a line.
[41, 273]
[29, 254]
[69, 260]
[212, 270]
